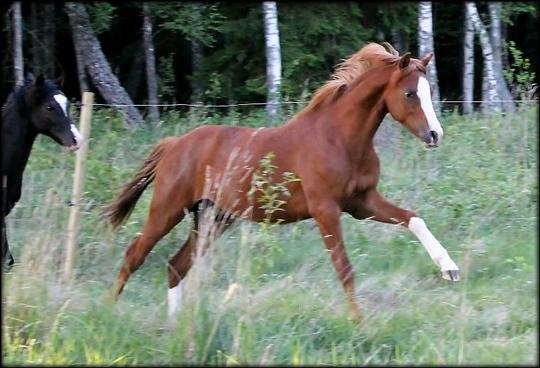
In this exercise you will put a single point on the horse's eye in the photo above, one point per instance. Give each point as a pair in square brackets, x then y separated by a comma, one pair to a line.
[50, 108]
[410, 94]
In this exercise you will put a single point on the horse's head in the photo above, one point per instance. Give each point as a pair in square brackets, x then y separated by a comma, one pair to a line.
[408, 99]
[48, 112]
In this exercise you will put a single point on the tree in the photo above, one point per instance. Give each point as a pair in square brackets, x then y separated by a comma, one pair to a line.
[150, 63]
[43, 37]
[97, 65]
[425, 45]
[495, 10]
[18, 63]
[491, 99]
[468, 64]
[197, 23]
[273, 57]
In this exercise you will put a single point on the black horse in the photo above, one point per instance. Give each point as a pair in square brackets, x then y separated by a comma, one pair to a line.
[36, 107]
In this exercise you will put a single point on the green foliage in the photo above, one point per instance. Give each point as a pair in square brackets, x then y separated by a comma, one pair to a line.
[311, 48]
[268, 192]
[166, 77]
[194, 20]
[512, 9]
[271, 197]
[519, 74]
[101, 15]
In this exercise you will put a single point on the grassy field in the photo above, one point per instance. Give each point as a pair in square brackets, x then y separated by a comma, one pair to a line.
[478, 193]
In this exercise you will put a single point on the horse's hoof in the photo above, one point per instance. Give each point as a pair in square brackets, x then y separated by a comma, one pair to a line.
[452, 275]
[355, 316]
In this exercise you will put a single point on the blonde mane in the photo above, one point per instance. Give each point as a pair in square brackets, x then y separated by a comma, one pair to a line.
[368, 57]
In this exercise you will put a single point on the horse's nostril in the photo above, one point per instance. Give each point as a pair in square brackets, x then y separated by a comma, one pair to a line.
[434, 135]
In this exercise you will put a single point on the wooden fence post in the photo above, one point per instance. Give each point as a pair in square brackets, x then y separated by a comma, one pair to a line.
[78, 184]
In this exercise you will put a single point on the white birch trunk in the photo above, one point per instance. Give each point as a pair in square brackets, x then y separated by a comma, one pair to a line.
[18, 65]
[273, 57]
[495, 9]
[425, 46]
[150, 63]
[468, 64]
[491, 100]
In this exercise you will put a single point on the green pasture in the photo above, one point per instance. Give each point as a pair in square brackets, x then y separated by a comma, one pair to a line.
[478, 193]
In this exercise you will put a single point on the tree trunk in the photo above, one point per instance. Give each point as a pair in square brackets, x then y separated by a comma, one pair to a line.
[81, 70]
[273, 58]
[18, 64]
[43, 30]
[495, 9]
[133, 81]
[468, 64]
[49, 38]
[197, 54]
[37, 61]
[490, 101]
[150, 62]
[425, 46]
[196, 64]
[97, 65]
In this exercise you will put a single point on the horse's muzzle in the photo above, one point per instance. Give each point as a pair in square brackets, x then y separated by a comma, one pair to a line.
[431, 138]
[73, 148]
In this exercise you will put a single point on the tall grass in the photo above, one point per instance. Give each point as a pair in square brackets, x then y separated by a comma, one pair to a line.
[272, 297]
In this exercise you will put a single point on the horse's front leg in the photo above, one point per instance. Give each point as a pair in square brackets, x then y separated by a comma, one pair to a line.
[327, 215]
[376, 207]
[7, 258]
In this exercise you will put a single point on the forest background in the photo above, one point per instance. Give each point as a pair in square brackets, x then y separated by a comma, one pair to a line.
[214, 53]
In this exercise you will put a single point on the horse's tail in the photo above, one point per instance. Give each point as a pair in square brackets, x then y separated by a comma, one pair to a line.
[119, 210]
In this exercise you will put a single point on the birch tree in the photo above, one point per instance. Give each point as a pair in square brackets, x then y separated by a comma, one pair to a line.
[273, 57]
[495, 9]
[150, 63]
[96, 64]
[425, 45]
[18, 64]
[468, 63]
[490, 101]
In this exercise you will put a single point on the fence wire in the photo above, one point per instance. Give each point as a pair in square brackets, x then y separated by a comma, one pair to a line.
[79, 104]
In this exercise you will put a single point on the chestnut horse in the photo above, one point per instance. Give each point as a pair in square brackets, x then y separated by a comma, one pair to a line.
[328, 145]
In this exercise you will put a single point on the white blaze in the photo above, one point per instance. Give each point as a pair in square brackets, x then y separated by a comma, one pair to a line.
[424, 93]
[436, 251]
[174, 299]
[62, 101]
[76, 135]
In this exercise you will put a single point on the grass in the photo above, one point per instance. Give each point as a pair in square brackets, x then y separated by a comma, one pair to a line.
[477, 193]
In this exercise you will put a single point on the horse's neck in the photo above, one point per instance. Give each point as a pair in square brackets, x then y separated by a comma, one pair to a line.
[17, 140]
[359, 113]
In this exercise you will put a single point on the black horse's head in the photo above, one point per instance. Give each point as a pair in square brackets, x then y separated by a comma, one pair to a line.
[47, 110]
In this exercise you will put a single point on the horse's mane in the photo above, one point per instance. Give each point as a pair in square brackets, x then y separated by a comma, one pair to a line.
[370, 56]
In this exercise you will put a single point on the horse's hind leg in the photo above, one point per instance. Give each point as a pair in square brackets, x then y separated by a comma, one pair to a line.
[160, 221]
[209, 224]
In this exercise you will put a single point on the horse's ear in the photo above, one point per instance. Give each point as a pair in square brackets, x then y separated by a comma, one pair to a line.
[425, 61]
[59, 81]
[39, 80]
[405, 60]
[30, 78]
